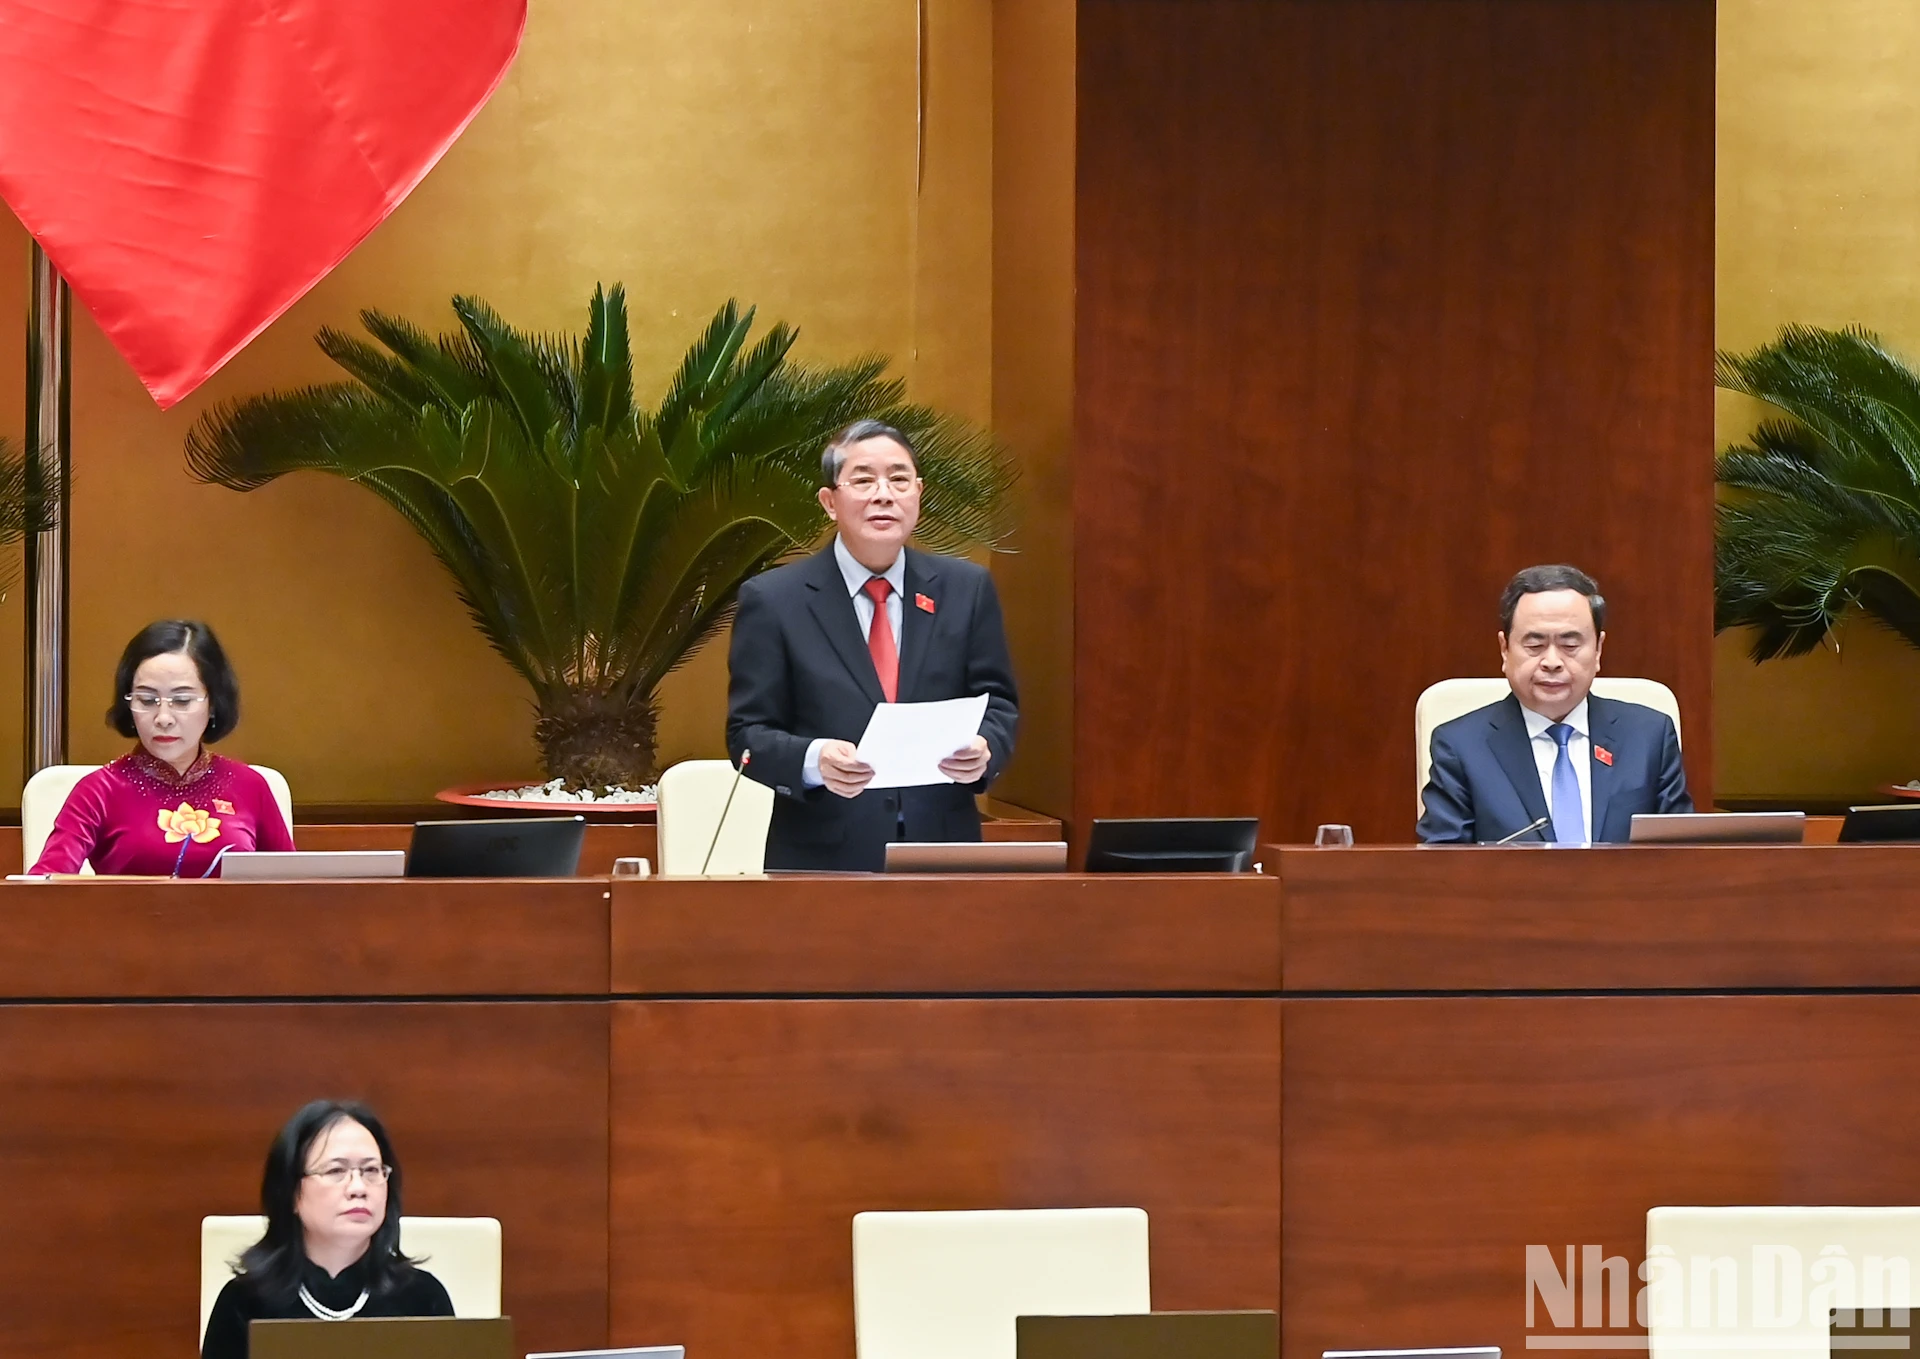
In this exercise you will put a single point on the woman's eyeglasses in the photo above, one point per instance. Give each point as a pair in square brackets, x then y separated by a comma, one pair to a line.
[337, 1176]
[146, 701]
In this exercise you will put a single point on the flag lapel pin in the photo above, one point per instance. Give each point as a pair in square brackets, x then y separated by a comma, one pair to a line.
[1605, 756]
[923, 603]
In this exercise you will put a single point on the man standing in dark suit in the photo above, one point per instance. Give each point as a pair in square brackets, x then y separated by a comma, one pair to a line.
[1550, 749]
[819, 643]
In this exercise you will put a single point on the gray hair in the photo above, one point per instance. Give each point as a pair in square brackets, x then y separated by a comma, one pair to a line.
[1538, 580]
[834, 456]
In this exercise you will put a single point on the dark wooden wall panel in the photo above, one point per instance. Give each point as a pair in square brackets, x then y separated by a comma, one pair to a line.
[103, 938]
[1652, 917]
[122, 1126]
[1429, 1142]
[895, 933]
[1378, 300]
[747, 1135]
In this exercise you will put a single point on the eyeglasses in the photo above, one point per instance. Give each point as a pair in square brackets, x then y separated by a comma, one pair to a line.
[337, 1176]
[146, 701]
[864, 484]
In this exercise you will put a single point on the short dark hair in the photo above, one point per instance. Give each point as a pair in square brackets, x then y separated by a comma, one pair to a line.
[271, 1266]
[834, 456]
[173, 637]
[1537, 580]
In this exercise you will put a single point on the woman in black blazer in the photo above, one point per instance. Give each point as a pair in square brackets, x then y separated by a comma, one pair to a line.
[331, 1193]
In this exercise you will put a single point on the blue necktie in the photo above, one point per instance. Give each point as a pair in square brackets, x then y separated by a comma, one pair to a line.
[1569, 817]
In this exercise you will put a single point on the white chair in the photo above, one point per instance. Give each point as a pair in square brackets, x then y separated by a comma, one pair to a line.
[1453, 698]
[692, 796]
[1727, 1282]
[461, 1252]
[47, 792]
[949, 1285]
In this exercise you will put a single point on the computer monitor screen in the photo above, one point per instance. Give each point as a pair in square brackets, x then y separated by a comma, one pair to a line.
[1869, 825]
[300, 865]
[1717, 828]
[383, 1338]
[530, 847]
[1173, 844]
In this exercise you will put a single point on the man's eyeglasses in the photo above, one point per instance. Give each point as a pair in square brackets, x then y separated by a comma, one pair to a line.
[146, 701]
[337, 1176]
[865, 484]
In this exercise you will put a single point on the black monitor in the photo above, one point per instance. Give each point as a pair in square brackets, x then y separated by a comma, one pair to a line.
[1173, 844]
[1864, 825]
[507, 847]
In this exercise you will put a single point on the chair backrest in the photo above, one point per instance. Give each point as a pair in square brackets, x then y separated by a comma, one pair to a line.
[949, 1285]
[47, 792]
[1726, 1282]
[40, 802]
[692, 796]
[461, 1252]
[1452, 698]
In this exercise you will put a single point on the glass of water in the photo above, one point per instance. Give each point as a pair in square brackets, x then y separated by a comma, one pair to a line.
[1334, 837]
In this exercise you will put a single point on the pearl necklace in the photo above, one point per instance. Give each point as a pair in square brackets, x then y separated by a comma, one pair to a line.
[326, 1313]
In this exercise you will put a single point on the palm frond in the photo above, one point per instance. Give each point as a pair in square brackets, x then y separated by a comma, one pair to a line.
[523, 376]
[450, 364]
[1819, 513]
[606, 364]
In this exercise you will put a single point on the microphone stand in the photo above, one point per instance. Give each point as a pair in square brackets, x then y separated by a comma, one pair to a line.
[1525, 830]
[738, 774]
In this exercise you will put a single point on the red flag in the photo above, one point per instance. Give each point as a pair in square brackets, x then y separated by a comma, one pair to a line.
[194, 166]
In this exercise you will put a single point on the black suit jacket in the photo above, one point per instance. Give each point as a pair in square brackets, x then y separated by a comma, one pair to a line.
[799, 670]
[1484, 784]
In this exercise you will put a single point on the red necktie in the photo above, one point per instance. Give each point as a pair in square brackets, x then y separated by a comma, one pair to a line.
[886, 657]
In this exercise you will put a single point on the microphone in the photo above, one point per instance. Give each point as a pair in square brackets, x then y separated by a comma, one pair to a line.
[738, 774]
[1525, 830]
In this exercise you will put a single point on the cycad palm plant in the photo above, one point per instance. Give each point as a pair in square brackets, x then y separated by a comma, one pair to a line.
[1820, 510]
[596, 544]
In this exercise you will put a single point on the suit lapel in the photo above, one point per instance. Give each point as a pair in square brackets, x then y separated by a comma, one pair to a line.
[916, 623]
[1514, 751]
[832, 608]
[1600, 717]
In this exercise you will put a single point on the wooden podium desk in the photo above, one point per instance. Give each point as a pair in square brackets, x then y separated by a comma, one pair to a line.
[676, 1093]
[1487, 1050]
[673, 1094]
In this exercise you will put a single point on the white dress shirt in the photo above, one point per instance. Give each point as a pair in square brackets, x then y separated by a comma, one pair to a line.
[1579, 750]
[856, 576]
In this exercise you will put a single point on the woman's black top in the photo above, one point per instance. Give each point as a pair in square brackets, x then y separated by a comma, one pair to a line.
[419, 1295]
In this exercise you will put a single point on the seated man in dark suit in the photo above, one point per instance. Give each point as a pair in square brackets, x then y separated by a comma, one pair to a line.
[1550, 749]
[819, 643]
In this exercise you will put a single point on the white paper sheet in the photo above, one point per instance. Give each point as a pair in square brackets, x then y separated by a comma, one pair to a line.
[905, 742]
